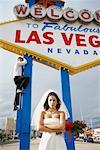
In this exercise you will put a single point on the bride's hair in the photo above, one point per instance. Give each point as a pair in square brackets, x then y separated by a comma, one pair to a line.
[46, 106]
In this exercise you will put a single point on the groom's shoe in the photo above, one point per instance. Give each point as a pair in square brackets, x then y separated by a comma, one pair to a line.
[19, 91]
[15, 108]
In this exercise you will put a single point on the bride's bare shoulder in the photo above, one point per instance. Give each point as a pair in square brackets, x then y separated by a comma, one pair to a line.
[43, 112]
[61, 112]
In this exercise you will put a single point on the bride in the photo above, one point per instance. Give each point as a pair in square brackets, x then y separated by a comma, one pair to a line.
[49, 118]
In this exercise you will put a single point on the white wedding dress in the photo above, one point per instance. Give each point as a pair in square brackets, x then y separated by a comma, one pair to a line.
[52, 141]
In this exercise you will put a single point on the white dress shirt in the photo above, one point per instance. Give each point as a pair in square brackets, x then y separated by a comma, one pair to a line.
[18, 67]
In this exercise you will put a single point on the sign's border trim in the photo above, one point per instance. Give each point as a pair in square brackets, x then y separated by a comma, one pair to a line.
[45, 60]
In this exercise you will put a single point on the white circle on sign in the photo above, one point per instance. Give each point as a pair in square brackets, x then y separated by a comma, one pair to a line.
[38, 11]
[54, 13]
[97, 16]
[85, 15]
[70, 14]
[21, 10]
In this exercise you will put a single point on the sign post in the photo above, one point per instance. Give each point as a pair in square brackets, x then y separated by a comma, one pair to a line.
[65, 83]
[23, 123]
[24, 114]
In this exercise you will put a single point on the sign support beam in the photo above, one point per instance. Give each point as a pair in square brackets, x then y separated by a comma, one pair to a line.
[65, 84]
[23, 124]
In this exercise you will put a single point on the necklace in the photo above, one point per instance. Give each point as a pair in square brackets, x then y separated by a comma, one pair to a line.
[51, 112]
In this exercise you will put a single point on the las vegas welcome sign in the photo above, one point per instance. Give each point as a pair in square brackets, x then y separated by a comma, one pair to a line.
[55, 37]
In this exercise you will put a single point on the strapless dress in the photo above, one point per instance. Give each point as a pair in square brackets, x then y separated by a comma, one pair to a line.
[52, 141]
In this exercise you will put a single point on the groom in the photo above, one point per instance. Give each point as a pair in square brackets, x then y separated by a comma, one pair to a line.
[20, 80]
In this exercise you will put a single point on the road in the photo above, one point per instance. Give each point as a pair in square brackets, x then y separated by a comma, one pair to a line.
[34, 146]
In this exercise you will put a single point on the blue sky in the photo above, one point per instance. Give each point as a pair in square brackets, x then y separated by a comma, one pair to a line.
[85, 86]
